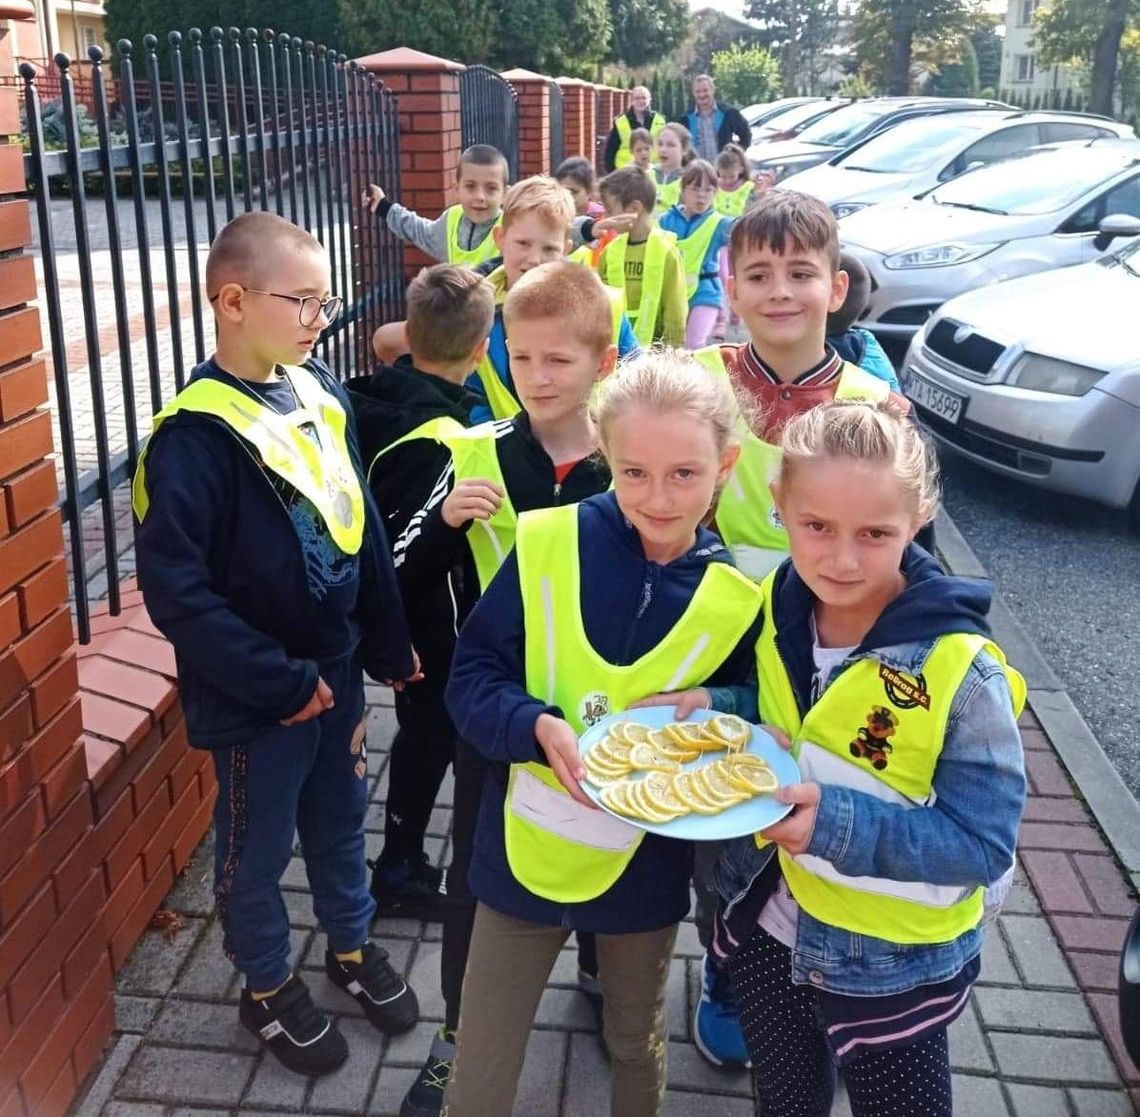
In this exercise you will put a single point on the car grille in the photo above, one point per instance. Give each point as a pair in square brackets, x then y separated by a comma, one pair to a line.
[974, 352]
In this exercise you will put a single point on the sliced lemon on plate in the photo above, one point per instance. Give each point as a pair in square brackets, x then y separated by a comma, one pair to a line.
[657, 790]
[754, 780]
[687, 791]
[649, 759]
[715, 778]
[734, 731]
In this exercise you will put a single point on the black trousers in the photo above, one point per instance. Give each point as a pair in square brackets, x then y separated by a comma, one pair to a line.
[793, 1072]
[459, 911]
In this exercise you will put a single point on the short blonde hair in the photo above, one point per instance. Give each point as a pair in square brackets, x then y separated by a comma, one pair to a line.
[541, 195]
[242, 251]
[567, 291]
[666, 380]
[451, 309]
[880, 433]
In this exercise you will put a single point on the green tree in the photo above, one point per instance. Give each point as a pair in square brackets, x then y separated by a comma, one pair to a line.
[645, 31]
[888, 32]
[463, 30]
[957, 79]
[798, 32]
[1088, 32]
[711, 31]
[745, 75]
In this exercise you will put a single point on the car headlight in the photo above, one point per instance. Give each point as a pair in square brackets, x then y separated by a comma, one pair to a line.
[845, 209]
[1046, 374]
[938, 255]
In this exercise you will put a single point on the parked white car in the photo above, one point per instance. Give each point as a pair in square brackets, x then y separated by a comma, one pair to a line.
[1027, 214]
[1039, 378]
[918, 155]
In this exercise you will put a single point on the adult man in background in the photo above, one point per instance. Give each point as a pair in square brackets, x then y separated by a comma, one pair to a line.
[711, 123]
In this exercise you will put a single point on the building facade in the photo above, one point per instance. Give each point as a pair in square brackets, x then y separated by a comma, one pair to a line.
[70, 26]
[1020, 73]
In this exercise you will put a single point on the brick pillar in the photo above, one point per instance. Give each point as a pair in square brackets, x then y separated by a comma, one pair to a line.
[605, 115]
[573, 122]
[431, 137]
[589, 120]
[533, 121]
[56, 1010]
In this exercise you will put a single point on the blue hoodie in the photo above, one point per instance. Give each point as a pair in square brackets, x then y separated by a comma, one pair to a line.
[239, 574]
[710, 290]
[629, 605]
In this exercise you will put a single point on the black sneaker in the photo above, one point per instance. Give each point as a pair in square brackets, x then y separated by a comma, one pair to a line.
[294, 1029]
[408, 890]
[425, 1096]
[387, 999]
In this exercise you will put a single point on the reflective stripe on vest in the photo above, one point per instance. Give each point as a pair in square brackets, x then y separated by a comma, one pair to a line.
[657, 247]
[668, 195]
[557, 848]
[878, 731]
[323, 474]
[732, 203]
[695, 247]
[746, 516]
[485, 250]
[500, 398]
[473, 456]
[623, 155]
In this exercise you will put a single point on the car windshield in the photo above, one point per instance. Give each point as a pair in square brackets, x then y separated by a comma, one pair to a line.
[1037, 182]
[838, 128]
[792, 117]
[912, 146]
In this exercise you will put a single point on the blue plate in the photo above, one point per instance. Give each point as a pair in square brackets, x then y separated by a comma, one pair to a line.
[744, 818]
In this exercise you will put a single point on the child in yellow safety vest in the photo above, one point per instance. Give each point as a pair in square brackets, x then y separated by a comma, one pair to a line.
[560, 335]
[737, 190]
[600, 604]
[644, 261]
[462, 233]
[852, 929]
[641, 150]
[701, 233]
[674, 154]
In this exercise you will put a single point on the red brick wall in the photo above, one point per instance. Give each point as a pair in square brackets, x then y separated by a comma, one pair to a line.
[533, 122]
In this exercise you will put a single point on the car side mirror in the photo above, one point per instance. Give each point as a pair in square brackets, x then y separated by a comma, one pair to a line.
[1116, 225]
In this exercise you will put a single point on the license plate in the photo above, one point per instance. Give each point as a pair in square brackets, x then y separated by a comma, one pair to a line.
[946, 405]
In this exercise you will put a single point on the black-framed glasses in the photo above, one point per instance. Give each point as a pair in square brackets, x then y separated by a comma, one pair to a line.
[309, 306]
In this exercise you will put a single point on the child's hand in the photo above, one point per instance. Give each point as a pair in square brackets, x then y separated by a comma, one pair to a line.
[793, 834]
[560, 744]
[683, 701]
[472, 499]
[619, 223]
[781, 738]
[322, 700]
[762, 182]
[372, 197]
[415, 677]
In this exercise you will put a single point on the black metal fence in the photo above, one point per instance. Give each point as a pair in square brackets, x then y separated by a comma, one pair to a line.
[489, 113]
[125, 215]
[557, 135]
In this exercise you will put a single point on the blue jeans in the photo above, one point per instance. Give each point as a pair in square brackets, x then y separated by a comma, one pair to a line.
[309, 779]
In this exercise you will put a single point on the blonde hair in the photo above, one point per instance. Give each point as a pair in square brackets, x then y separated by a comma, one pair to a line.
[879, 433]
[569, 292]
[450, 311]
[540, 195]
[665, 380]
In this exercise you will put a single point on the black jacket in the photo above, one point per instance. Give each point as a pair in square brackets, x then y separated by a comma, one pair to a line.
[733, 128]
[613, 140]
[429, 552]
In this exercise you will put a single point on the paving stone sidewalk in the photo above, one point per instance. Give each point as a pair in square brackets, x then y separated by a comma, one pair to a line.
[1032, 1042]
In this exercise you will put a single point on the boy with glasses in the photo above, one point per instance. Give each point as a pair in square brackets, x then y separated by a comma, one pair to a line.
[262, 559]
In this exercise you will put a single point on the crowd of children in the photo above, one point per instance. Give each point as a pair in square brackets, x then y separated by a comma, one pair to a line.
[552, 497]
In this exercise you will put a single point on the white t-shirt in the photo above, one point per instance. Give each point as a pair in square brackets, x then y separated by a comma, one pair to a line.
[781, 913]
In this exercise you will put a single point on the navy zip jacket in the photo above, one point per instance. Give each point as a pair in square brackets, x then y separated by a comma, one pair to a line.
[239, 575]
[629, 604]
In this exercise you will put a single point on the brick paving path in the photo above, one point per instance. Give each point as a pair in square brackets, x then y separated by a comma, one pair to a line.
[1038, 1039]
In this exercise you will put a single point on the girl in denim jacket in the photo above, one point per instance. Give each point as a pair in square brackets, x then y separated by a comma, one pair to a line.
[852, 929]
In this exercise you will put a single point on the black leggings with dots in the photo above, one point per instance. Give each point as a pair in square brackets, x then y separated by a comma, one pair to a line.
[793, 1073]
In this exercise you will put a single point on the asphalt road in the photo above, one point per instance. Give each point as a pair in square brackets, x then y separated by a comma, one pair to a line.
[1070, 572]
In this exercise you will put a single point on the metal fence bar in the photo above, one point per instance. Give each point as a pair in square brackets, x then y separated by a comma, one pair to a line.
[489, 113]
[275, 121]
[302, 127]
[258, 115]
[285, 45]
[242, 118]
[217, 37]
[343, 190]
[199, 67]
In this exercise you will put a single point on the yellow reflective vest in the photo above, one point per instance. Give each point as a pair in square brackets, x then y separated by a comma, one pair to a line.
[500, 398]
[473, 455]
[746, 516]
[625, 130]
[879, 731]
[695, 247]
[668, 195]
[323, 474]
[485, 250]
[732, 203]
[555, 847]
[657, 249]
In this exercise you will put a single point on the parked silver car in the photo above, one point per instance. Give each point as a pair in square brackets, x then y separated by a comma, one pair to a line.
[1039, 378]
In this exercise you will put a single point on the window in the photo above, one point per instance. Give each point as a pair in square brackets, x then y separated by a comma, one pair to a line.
[1124, 197]
[1025, 10]
[1060, 131]
[1023, 67]
[90, 39]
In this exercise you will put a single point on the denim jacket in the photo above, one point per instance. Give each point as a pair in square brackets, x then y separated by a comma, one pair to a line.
[968, 837]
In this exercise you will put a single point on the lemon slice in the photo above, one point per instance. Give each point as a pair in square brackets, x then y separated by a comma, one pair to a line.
[686, 791]
[657, 791]
[615, 796]
[632, 733]
[606, 771]
[735, 732]
[687, 734]
[669, 748]
[756, 781]
[611, 751]
[646, 810]
[649, 759]
[746, 760]
[717, 781]
[720, 799]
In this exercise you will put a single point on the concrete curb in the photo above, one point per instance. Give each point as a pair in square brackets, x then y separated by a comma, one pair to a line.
[1113, 806]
